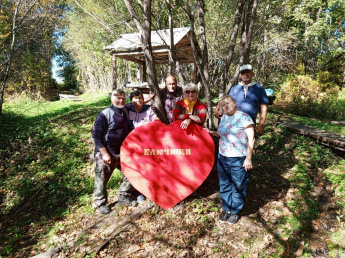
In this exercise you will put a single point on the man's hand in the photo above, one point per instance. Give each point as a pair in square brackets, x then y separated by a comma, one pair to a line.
[260, 128]
[217, 112]
[185, 123]
[106, 158]
[151, 96]
[105, 155]
[263, 115]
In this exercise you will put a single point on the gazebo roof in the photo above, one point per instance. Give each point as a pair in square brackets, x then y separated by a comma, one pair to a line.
[129, 46]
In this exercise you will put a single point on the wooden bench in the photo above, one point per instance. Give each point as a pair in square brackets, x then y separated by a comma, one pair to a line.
[69, 97]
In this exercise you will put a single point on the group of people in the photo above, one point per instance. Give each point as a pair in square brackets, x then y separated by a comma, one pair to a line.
[237, 112]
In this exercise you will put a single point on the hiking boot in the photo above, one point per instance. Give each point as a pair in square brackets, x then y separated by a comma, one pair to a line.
[126, 200]
[224, 216]
[104, 209]
[233, 219]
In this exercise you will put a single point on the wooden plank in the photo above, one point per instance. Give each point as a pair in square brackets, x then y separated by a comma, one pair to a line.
[189, 57]
[333, 140]
[130, 58]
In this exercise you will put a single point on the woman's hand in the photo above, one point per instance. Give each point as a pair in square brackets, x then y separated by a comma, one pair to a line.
[185, 123]
[247, 164]
[207, 130]
[196, 119]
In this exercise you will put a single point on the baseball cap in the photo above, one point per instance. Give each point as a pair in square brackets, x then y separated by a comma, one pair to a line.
[246, 67]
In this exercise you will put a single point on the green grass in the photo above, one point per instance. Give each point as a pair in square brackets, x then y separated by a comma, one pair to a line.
[336, 175]
[45, 165]
[299, 161]
[47, 175]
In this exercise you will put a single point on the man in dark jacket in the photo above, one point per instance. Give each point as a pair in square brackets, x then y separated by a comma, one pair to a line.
[169, 96]
[110, 130]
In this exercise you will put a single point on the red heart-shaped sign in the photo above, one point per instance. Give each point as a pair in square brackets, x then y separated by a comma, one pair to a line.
[166, 163]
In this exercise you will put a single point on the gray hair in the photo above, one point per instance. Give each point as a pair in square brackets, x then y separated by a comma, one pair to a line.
[117, 92]
[190, 86]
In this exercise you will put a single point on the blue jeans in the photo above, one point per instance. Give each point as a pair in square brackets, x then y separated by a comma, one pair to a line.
[233, 182]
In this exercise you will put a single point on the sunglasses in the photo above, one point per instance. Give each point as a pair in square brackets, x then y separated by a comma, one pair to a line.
[190, 91]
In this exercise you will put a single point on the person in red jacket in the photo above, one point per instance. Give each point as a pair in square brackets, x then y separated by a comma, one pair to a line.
[190, 109]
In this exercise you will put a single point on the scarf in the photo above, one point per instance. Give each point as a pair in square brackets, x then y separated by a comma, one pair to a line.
[190, 105]
[245, 87]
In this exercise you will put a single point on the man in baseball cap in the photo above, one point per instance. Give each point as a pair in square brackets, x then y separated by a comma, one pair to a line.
[250, 97]
[246, 67]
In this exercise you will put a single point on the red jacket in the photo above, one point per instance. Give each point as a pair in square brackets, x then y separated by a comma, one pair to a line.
[199, 109]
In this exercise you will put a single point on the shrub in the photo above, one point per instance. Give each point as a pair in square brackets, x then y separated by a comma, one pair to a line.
[301, 95]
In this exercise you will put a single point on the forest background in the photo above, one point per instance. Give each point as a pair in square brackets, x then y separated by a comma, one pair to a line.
[297, 48]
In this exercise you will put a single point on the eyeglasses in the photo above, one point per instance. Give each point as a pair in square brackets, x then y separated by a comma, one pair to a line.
[190, 91]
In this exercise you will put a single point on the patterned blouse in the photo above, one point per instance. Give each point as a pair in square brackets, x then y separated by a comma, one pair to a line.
[233, 138]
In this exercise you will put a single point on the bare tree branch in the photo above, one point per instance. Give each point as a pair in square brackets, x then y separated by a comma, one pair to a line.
[96, 18]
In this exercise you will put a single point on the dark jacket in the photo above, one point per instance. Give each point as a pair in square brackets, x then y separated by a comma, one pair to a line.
[110, 129]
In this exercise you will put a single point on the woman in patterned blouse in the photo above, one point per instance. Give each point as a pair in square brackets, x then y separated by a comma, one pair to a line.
[236, 132]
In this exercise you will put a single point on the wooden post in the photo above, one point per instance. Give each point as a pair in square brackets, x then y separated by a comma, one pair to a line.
[114, 86]
[144, 72]
[141, 72]
[170, 68]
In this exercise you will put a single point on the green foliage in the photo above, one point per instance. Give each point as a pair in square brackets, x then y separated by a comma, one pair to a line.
[337, 244]
[27, 50]
[301, 95]
[45, 165]
[68, 69]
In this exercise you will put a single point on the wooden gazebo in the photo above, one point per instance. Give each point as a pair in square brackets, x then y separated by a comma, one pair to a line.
[129, 47]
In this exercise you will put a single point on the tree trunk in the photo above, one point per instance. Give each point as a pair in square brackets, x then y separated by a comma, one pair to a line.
[229, 56]
[172, 59]
[252, 6]
[175, 65]
[246, 40]
[145, 32]
[150, 62]
[202, 68]
[205, 71]
[6, 68]
[16, 25]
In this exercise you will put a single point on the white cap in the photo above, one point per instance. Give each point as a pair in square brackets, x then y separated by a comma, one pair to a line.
[246, 67]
